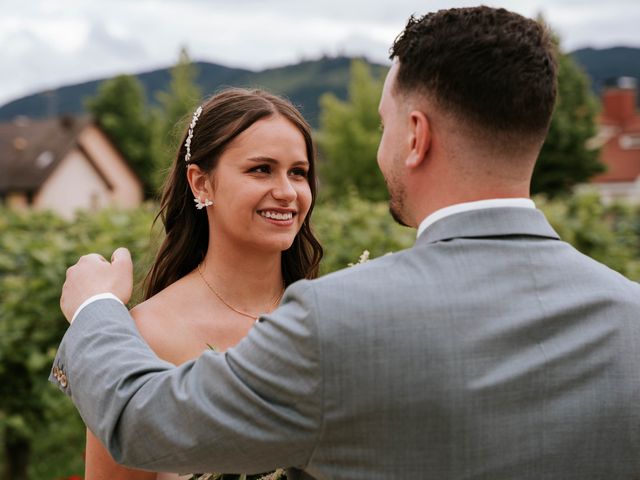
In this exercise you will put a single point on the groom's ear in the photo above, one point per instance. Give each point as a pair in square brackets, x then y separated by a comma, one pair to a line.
[420, 130]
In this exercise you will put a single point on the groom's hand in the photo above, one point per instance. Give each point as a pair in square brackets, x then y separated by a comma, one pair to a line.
[93, 275]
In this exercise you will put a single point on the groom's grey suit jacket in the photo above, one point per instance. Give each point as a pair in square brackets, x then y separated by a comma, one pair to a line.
[490, 350]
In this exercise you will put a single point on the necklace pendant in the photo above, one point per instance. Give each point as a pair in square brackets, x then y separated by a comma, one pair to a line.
[255, 318]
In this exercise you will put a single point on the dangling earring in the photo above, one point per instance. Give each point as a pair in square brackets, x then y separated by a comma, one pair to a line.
[200, 205]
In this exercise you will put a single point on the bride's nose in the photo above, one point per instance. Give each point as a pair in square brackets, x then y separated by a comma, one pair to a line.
[283, 189]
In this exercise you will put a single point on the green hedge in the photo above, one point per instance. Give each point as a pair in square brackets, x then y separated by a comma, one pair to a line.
[351, 225]
[36, 249]
[609, 234]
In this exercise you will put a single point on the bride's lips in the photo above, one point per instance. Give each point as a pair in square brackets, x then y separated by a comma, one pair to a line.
[282, 217]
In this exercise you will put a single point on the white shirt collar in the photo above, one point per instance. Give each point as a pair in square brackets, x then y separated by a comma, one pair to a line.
[469, 206]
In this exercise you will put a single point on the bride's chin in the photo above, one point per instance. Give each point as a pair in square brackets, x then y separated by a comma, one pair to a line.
[274, 246]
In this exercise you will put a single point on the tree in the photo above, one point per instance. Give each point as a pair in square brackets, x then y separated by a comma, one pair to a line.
[120, 109]
[566, 158]
[173, 114]
[349, 136]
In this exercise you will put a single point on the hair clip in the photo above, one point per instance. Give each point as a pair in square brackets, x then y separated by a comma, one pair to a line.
[187, 143]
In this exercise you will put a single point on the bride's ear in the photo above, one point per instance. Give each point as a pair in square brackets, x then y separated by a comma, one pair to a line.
[199, 182]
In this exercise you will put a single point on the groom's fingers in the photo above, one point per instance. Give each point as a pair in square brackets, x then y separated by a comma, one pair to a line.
[121, 262]
[92, 257]
[93, 275]
[121, 255]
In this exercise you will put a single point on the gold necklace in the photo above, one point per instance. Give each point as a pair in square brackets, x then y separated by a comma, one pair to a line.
[253, 317]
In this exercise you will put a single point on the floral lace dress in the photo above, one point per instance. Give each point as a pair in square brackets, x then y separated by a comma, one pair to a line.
[279, 474]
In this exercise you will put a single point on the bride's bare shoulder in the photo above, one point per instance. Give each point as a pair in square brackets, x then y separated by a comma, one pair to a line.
[161, 321]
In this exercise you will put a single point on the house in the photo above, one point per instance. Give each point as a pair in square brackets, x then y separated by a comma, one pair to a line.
[619, 140]
[63, 164]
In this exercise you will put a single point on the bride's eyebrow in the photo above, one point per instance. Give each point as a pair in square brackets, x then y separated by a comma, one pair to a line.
[273, 161]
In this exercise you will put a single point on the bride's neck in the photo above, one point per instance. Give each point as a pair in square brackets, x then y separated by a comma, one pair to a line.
[243, 276]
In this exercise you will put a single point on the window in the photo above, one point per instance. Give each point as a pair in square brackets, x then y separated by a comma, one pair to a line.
[630, 141]
[44, 159]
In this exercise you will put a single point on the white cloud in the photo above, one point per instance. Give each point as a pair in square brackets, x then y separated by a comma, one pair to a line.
[55, 43]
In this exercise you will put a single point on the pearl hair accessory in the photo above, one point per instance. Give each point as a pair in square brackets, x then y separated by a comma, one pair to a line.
[200, 205]
[187, 143]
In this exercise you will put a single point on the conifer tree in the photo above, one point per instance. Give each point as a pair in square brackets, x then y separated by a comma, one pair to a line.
[349, 136]
[174, 111]
[566, 158]
[120, 109]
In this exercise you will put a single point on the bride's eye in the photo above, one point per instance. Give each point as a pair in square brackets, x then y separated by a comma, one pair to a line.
[299, 172]
[261, 169]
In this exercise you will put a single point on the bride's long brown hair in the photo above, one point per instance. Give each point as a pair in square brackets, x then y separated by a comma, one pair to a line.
[224, 116]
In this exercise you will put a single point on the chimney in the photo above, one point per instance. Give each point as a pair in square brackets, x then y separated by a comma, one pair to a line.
[619, 101]
[51, 99]
[67, 121]
[21, 121]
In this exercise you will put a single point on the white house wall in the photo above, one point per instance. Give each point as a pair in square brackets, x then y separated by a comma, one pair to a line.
[73, 185]
[626, 192]
[127, 190]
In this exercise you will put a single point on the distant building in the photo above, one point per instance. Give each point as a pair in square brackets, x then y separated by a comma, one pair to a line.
[619, 139]
[63, 165]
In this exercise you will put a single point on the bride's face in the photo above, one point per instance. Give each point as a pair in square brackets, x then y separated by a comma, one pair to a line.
[261, 192]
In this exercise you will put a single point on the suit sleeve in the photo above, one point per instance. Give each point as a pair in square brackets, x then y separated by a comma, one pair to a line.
[250, 409]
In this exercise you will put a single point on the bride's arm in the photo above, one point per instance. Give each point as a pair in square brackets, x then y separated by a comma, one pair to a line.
[100, 466]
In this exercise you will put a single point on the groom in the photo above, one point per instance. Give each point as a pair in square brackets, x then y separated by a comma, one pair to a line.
[489, 350]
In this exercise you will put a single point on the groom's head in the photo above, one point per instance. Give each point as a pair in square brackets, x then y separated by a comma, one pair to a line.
[471, 90]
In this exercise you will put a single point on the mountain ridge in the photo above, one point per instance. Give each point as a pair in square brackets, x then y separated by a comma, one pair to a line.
[303, 82]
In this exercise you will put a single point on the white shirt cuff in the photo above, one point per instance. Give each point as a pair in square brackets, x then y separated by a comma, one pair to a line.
[100, 296]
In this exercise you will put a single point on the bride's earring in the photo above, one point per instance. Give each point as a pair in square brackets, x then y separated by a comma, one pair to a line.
[200, 205]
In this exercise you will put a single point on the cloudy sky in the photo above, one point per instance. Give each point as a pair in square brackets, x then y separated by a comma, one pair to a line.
[50, 43]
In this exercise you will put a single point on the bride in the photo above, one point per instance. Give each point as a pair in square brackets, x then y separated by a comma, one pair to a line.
[236, 210]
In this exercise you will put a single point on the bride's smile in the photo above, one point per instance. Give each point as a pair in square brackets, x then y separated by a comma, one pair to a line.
[278, 217]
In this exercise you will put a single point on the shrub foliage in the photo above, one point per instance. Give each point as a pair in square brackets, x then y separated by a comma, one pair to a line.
[40, 431]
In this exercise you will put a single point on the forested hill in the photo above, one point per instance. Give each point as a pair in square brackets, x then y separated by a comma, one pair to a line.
[607, 64]
[303, 83]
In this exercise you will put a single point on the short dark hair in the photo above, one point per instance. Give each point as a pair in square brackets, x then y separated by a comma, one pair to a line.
[494, 68]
